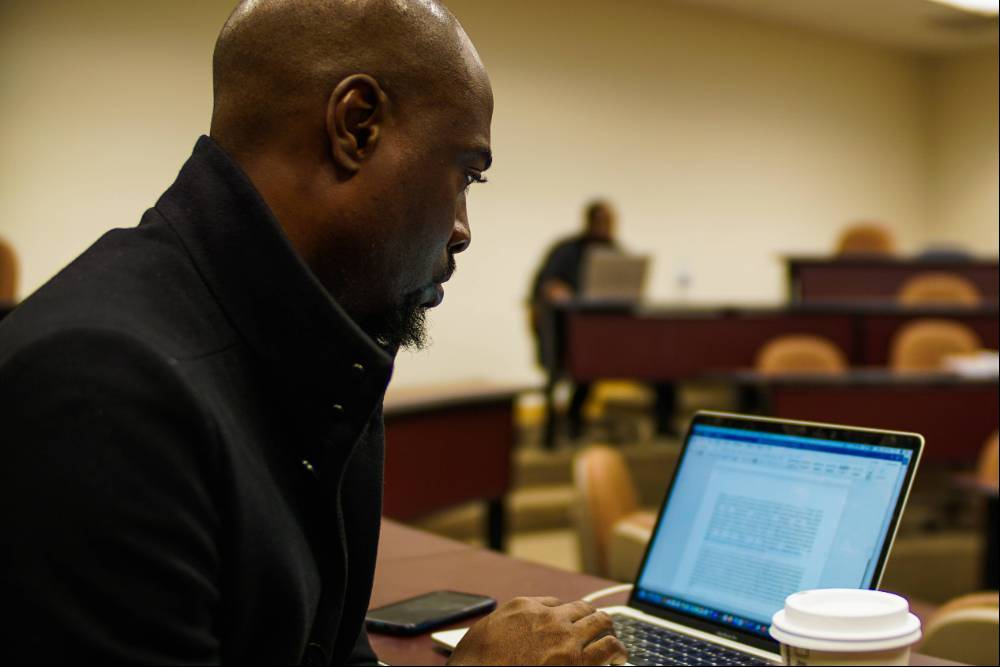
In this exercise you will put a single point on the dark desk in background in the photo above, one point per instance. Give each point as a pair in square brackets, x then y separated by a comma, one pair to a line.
[670, 343]
[412, 562]
[446, 445]
[956, 415]
[879, 279]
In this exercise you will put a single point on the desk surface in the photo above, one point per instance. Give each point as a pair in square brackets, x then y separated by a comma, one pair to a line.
[858, 377]
[668, 309]
[411, 562]
[893, 260]
[405, 400]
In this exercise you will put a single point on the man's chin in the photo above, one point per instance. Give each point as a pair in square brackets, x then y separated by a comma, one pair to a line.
[404, 327]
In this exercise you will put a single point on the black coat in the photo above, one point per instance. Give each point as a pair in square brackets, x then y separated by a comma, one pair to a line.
[192, 446]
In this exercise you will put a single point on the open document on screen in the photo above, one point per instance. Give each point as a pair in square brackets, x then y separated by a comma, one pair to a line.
[755, 516]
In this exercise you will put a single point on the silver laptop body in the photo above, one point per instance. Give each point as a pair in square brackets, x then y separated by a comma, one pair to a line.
[610, 276]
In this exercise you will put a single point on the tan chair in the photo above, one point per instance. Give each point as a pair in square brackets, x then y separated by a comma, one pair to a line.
[919, 557]
[629, 539]
[8, 272]
[989, 461]
[606, 498]
[922, 345]
[866, 239]
[800, 354]
[966, 630]
[934, 566]
[939, 288]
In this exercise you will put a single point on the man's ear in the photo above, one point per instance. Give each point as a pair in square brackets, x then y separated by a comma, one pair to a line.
[354, 116]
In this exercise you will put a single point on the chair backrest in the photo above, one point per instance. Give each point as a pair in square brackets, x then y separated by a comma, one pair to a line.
[939, 287]
[8, 272]
[966, 630]
[605, 494]
[866, 239]
[988, 466]
[922, 345]
[800, 353]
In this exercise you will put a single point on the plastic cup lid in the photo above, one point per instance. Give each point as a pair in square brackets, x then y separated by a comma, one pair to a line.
[845, 619]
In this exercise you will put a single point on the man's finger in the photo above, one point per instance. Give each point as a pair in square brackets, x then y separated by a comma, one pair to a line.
[606, 651]
[594, 626]
[574, 611]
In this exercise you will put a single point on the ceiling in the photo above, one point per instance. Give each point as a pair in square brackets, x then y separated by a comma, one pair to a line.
[915, 25]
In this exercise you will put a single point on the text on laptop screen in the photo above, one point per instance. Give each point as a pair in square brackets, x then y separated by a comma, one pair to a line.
[754, 516]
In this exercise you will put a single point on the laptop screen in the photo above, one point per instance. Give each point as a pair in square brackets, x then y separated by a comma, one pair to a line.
[755, 515]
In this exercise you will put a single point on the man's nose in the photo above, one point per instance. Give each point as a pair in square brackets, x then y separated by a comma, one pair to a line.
[461, 235]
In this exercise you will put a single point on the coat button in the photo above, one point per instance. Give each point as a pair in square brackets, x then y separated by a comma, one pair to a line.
[314, 655]
[358, 370]
[338, 410]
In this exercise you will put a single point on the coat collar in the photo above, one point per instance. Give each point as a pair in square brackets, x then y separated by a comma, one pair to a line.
[319, 355]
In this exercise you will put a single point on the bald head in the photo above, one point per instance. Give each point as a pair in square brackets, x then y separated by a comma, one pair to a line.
[362, 124]
[276, 59]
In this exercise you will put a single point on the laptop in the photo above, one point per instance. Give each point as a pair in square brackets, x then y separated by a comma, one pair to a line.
[610, 276]
[758, 509]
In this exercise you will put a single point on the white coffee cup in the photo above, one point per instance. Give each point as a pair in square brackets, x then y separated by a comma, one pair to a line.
[845, 626]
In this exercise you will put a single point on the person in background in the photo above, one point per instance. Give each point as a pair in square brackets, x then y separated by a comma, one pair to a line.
[557, 283]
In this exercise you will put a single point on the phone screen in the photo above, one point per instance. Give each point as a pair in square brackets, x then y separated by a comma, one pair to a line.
[426, 611]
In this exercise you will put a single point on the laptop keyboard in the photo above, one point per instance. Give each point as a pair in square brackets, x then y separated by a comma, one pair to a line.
[650, 644]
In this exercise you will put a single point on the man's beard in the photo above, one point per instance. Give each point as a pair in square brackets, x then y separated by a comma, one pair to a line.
[405, 326]
[402, 327]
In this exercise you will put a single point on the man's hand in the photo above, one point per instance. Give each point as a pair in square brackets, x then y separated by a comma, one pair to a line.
[541, 631]
[556, 291]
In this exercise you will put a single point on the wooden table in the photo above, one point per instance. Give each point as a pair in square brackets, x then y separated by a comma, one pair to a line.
[853, 279]
[446, 445]
[654, 343]
[412, 562]
[663, 344]
[955, 414]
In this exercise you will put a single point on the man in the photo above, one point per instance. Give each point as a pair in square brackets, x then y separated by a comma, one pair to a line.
[191, 410]
[557, 283]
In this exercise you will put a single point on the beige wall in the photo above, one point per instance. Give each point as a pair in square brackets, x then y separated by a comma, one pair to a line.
[724, 142]
[964, 188]
[100, 104]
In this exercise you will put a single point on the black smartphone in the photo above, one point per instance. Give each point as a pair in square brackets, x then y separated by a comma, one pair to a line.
[426, 612]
